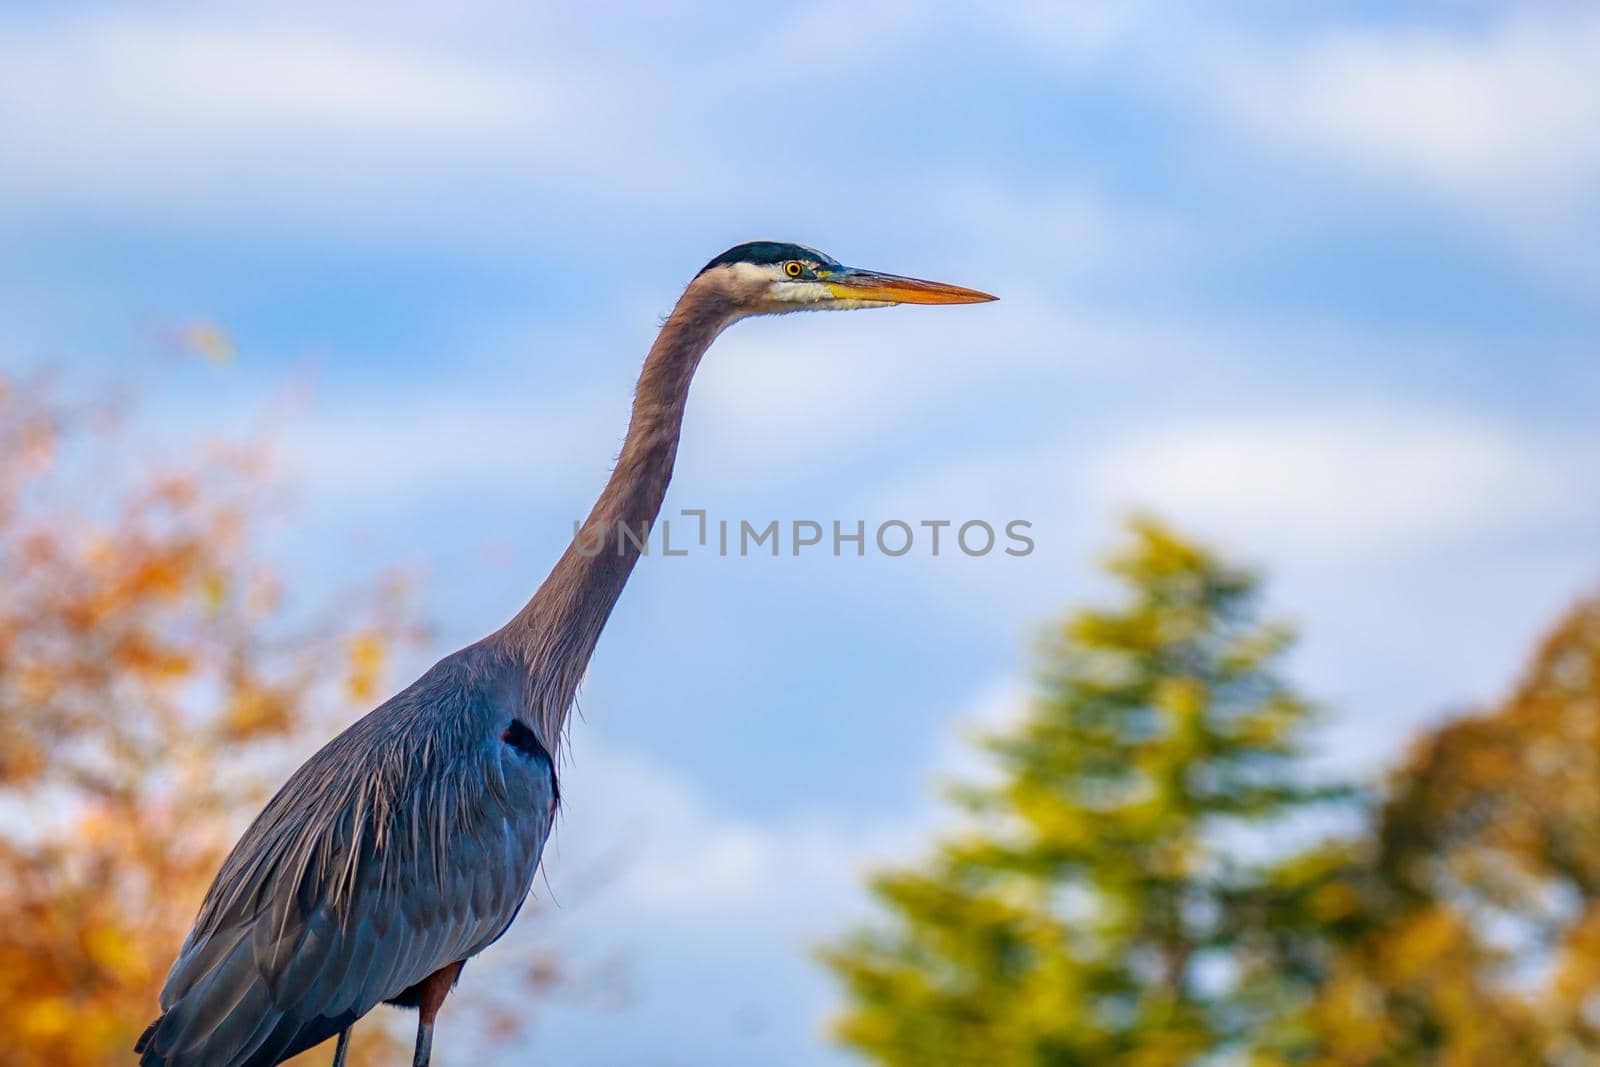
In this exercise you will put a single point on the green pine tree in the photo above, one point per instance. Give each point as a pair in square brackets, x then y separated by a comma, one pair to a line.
[1096, 909]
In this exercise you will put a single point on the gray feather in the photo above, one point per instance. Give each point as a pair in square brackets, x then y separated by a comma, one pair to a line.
[378, 863]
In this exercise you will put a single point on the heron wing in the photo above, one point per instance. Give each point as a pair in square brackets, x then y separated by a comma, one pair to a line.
[386, 856]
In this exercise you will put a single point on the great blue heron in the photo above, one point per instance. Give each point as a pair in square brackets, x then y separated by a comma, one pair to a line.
[407, 844]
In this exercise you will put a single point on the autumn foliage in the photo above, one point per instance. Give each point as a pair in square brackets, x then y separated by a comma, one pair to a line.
[155, 684]
[1475, 936]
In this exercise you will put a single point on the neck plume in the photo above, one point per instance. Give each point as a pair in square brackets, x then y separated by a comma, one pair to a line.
[552, 637]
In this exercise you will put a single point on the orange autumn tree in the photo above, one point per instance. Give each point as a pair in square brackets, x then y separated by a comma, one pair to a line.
[1473, 935]
[1496, 820]
[155, 685]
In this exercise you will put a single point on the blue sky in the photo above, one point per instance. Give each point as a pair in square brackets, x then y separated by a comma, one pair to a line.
[1318, 285]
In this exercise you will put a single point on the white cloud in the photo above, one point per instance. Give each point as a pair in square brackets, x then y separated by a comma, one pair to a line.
[1329, 491]
[1070, 232]
[1509, 111]
[680, 859]
[1076, 32]
[313, 115]
[1344, 481]
[1499, 123]
[167, 107]
[224, 77]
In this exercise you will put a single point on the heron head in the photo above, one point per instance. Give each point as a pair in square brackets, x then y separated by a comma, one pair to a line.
[774, 277]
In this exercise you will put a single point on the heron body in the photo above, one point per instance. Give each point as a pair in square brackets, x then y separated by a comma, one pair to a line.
[407, 844]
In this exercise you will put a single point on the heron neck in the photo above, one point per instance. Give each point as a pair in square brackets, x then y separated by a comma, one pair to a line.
[553, 636]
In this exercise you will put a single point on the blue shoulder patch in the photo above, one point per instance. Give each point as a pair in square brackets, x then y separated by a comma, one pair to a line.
[519, 737]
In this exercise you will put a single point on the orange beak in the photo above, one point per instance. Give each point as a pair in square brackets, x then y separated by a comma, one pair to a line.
[851, 284]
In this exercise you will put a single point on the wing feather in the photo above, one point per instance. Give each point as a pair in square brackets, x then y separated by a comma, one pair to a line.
[401, 847]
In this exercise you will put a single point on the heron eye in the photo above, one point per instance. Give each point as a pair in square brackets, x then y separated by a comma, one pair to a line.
[793, 268]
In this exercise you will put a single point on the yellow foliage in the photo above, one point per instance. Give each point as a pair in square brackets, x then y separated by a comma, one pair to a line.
[365, 657]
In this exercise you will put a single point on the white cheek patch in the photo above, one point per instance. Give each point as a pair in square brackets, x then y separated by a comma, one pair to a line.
[752, 275]
[802, 293]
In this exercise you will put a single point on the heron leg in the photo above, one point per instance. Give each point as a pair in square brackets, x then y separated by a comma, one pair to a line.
[342, 1049]
[424, 1051]
[430, 994]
